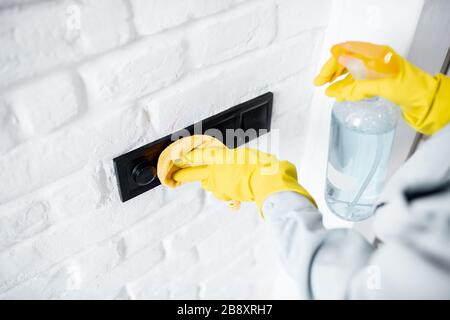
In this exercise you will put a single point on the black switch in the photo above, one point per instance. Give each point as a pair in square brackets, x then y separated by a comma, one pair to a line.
[143, 173]
[136, 170]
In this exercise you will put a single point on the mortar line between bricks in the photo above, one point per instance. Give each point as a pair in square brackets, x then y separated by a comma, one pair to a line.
[67, 221]
[185, 251]
[225, 266]
[64, 67]
[84, 251]
[209, 17]
[178, 32]
[171, 31]
[192, 267]
[90, 114]
[86, 248]
[210, 69]
[52, 186]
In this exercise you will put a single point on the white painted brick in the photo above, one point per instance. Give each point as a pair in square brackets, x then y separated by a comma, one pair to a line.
[243, 278]
[39, 162]
[249, 273]
[97, 273]
[291, 127]
[33, 213]
[72, 275]
[163, 222]
[189, 286]
[21, 220]
[227, 283]
[45, 105]
[207, 93]
[294, 93]
[185, 190]
[133, 71]
[211, 220]
[291, 102]
[43, 35]
[222, 239]
[232, 34]
[25, 260]
[79, 195]
[150, 293]
[184, 289]
[151, 16]
[296, 16]
[154, 284]
[289, 118]
[109, 285]
[10, 132]
[104, 25]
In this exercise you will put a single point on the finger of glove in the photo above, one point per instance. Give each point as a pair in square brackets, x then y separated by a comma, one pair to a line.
[329, 72]
[335, 89]
[352, 90]
[190, 174]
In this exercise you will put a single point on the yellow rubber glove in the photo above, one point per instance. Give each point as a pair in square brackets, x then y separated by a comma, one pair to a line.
[424, 100]
[238, 174]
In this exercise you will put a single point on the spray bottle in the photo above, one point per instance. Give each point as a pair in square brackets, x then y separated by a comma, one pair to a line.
[361, 138]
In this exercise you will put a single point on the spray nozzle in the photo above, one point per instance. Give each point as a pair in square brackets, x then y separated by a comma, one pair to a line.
[365, 60]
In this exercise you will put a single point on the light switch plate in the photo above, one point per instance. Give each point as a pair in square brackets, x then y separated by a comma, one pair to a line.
[136, 169]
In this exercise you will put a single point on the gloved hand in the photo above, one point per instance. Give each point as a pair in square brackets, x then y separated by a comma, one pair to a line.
[424, 99]
[238, 174]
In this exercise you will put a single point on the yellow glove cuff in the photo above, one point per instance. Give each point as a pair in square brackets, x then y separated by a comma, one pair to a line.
[437, 115]
[279, 176]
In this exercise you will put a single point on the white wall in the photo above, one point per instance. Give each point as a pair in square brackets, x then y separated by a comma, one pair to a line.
[84, 81]
[390, 22]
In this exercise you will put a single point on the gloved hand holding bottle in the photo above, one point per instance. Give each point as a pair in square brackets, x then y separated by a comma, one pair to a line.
[423, 99]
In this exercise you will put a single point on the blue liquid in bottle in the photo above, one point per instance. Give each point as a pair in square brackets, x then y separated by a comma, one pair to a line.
[361, 138]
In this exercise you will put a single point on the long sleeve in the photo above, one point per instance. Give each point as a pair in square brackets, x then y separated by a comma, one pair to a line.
[412, 220]
[321, 261]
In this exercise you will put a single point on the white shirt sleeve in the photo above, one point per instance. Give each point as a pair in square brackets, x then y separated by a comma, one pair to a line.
[321, 261]
[412, 263]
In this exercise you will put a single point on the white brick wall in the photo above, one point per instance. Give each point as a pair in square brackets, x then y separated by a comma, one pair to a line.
[84, 81]
[157, 15]
[46, 34]
[38, 104]
[231, 34]
[132, 71]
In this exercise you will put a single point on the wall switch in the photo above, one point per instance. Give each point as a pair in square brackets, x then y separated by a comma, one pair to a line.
[136, 170]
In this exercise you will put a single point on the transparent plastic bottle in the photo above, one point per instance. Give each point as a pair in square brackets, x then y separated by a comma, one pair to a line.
[361, 138]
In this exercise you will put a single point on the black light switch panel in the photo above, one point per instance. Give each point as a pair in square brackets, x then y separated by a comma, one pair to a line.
[136, 170]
